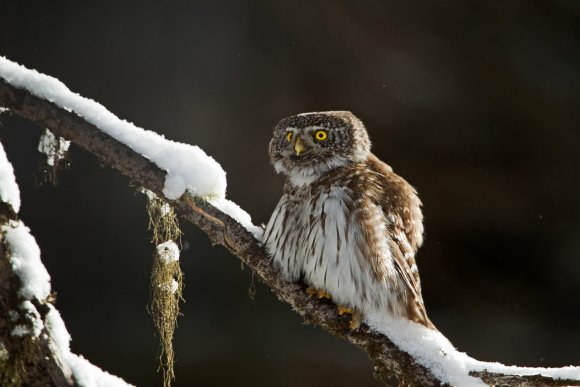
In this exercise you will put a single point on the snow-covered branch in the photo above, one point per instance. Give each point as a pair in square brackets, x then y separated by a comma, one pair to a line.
[34, 343]
[195, 185]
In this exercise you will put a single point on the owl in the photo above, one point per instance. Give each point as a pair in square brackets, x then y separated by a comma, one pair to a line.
[347, 225]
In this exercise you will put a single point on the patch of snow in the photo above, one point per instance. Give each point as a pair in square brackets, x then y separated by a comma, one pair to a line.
[174, 286]
[568, 372]
[169, 287]
[52, 147]
[35, 324]
[57, 330]
[20, 330]
[9, 191]
[89, 375]
[33, 316]
[25, 261]
[188, 167]
[150, 194]
[168, 251]
[428, 347]
[165, 209]
[238, 214]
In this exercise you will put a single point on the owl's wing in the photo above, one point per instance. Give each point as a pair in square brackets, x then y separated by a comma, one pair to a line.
[402, 210]
[406, 268]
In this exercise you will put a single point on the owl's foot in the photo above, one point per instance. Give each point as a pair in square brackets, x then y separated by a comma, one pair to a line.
[312, 292]
[355, 319]
[344, 310]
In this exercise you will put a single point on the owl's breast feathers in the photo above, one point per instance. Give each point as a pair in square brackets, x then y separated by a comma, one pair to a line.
[354, 233]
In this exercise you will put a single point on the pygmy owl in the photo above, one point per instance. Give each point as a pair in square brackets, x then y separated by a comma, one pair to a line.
[346, 225]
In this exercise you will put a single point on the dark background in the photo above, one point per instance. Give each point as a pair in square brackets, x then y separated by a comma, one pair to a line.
[476, 103]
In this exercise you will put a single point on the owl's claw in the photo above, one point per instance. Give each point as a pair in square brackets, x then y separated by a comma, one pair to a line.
[312, 292]
[343, 310]
[355, 319]
[354, 322]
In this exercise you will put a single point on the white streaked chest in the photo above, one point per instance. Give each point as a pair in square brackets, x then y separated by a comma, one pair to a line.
[306, 224]
[316, 235]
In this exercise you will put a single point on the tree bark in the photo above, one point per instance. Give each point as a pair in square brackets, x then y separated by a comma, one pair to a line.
[389, 360]
[28, 360]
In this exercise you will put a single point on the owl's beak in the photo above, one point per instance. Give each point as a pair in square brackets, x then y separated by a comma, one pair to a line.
[299, 146]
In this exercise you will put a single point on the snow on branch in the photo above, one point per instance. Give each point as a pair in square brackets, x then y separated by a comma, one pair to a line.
[207, 180]
[194, 184]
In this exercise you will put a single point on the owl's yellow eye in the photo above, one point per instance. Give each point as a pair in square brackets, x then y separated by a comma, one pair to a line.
[289, 136]
[320, 135]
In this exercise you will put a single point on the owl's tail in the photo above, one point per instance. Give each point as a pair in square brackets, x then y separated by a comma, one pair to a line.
[417, 313]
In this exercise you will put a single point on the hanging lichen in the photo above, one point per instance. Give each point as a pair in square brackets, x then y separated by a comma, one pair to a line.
[166, 279]
[55, 150]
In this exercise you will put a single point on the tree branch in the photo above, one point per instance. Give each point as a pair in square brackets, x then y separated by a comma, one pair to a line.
[389, 360]
[34, 342]
[28, 361]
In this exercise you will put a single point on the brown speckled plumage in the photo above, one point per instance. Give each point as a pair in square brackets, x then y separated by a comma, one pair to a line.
[346, 223]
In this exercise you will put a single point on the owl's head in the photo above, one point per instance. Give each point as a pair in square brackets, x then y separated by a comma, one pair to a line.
[307, 145]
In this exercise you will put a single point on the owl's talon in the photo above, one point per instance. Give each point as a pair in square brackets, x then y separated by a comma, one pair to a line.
[355, 322]
[355, 318]
[312, 292]
[344, 310]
